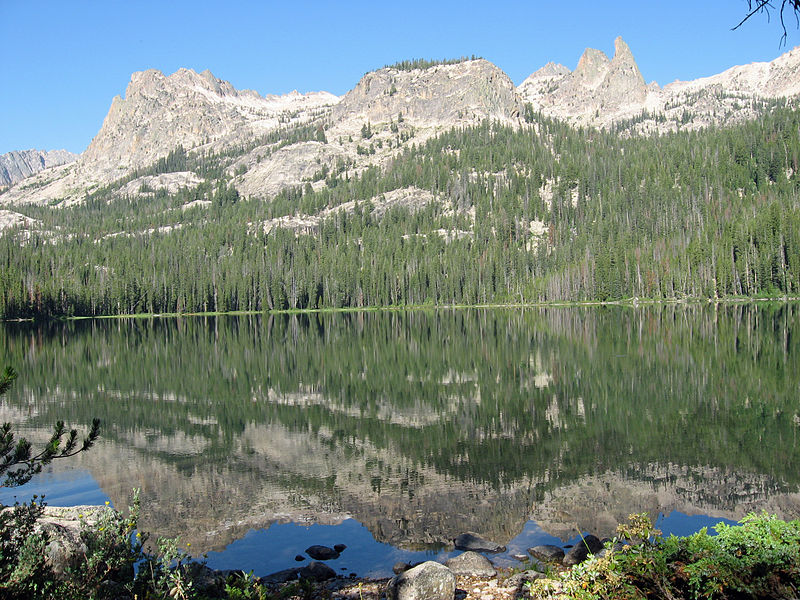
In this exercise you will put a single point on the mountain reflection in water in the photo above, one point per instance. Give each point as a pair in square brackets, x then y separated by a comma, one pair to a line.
[422, 425]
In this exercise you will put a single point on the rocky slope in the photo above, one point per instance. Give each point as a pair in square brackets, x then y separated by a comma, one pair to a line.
[388, 110]
[17, 165]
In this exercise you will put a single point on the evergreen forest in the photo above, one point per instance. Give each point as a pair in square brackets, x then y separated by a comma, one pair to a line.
[539, 213]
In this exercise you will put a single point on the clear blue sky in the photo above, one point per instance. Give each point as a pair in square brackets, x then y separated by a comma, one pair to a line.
[63, 61]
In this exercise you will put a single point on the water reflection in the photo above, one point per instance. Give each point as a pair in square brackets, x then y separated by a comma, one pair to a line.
[423, 425]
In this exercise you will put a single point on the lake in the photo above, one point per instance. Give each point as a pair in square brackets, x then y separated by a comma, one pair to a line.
[253, 437]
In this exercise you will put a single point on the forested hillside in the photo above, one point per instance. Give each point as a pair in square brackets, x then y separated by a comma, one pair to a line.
[541, 212]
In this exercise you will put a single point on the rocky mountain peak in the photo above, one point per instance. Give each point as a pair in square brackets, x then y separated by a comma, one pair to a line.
[592, 67]
[551, 69]
[623, 82]
[441, 94]
[189, 109]
[622, 51]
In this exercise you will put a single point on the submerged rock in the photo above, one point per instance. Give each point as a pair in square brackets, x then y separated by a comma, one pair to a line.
[547, 552]
[476, 543]
[520, 557]
[428, 581]
[321, 552]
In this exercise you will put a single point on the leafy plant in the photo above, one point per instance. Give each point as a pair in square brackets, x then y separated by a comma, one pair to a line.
[23, 570]
[759, 558]
[243, 586]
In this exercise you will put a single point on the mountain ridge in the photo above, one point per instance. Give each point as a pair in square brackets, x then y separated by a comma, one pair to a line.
[204, 114]
[21, 164]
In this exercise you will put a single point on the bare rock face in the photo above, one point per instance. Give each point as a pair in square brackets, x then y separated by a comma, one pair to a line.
[442, 94]
[598, 89]
[622, 82]
[148, 185]
[18, 165]
[160, 112]
[592, 68]
[541, 82]
[9, 219]
[289, 166]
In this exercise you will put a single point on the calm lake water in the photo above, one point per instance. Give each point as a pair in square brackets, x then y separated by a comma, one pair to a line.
[254, 437]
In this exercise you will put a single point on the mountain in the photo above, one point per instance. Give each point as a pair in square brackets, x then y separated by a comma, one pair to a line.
[191, 110]
[388, 110]
[598, 91]
[17, 165]
[607, 93]
[427, 183]
[161, 113]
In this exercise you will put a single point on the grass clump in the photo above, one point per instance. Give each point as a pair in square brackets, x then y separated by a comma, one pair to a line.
[758, 558]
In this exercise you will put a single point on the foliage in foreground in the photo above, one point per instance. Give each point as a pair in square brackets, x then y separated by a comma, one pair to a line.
[760, 558]
[114, 562]
[18, 463]
[109, 562]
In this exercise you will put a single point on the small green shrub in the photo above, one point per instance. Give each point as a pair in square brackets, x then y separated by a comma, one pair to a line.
[24, 572]
[112, 549]
[759, 558]
[243, 586]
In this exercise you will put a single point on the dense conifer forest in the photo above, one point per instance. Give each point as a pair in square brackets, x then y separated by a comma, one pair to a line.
[709, 213]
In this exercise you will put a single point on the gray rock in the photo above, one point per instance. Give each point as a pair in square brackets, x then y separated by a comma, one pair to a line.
[317, 571]
[340, 548]
[281, 576]
[472, 564]
[20, 164]
[519, 579]
[438, 95]
[520, 557]
[428, 581]
[62, 526]
[206, 582]
[321, 552]
[400, 567]
[590, 544]
[547, 553]
[472, 541]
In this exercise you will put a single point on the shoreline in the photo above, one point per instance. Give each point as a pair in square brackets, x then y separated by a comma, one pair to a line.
[625, 303]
